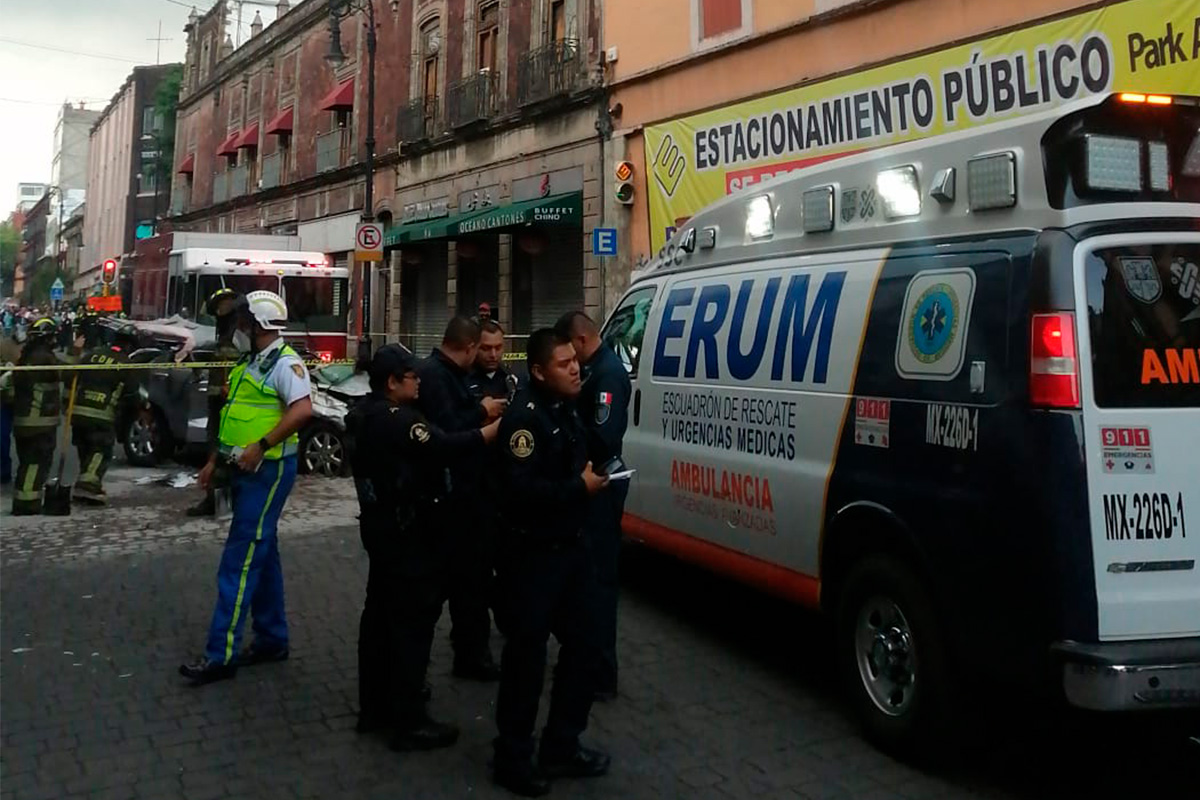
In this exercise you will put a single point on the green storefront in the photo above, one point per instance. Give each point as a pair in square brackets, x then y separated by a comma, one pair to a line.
[541, 241]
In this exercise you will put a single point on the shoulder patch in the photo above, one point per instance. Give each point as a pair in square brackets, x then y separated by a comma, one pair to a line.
[419, 432]
[603, 411]
[298, 368]
[521, 443]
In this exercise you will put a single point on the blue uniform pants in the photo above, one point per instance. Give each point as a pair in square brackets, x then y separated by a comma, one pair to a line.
[250, 578]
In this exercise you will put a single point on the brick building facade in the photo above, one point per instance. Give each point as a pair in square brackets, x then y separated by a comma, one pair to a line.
[487, 161]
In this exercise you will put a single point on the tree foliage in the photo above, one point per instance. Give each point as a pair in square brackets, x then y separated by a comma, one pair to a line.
[37, 290]
[166, 106]
[10, 248]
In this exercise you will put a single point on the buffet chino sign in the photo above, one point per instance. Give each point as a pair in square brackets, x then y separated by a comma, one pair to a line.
[1137, 45]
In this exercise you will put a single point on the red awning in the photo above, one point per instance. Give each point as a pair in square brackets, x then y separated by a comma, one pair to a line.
[249, 137]
[281, 122]
[229, 146]
[341, 98]
[188, 166]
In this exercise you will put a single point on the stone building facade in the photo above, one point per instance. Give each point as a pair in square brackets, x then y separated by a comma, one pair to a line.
[485, 122]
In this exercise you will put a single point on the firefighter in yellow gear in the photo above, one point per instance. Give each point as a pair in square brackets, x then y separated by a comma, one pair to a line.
[37, 401]
[98, 395]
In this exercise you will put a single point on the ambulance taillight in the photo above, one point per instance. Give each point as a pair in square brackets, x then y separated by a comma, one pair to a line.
[1054, 361]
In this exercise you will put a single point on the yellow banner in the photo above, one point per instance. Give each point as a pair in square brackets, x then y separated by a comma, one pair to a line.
[1137, 45]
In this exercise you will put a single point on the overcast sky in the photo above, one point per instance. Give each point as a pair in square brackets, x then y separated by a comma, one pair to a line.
[34, 82]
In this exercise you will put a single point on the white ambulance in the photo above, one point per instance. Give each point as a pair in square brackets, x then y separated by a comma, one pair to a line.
[949, 393]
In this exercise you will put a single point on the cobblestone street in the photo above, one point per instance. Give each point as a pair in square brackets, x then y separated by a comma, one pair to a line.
[724, 693]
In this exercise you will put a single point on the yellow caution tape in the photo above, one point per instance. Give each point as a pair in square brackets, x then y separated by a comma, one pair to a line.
[156, 365]
[164, 365]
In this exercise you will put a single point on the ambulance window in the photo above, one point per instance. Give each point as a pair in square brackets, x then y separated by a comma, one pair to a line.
[1144, 325]
[627, 327]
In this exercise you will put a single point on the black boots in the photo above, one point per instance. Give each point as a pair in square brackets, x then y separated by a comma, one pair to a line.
[202, 671]
[423, 733]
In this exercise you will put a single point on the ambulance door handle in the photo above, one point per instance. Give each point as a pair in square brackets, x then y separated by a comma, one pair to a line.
[637, 406]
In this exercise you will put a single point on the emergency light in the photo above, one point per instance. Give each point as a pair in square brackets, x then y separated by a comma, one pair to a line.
[760, 218]
[1113, 163]
[1160, 167]
[992, 181]
[817, 206]
[900, 192]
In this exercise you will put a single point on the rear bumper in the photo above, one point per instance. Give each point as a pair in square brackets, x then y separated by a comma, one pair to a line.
[1124, 676]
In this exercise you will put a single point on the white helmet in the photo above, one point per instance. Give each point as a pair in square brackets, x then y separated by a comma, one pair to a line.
[268, 310]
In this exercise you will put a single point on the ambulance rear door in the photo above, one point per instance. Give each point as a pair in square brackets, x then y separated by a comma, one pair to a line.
[1138, 314]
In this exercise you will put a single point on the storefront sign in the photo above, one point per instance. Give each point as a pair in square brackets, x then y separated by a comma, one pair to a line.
[480, 199]
[1137, 45]
[425, 209]
[557, 210]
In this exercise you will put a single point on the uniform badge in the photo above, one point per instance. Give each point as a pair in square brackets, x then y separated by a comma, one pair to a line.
[603, 407]
[1141, 279]
[521, 444]
[298, 369]
[419, 432]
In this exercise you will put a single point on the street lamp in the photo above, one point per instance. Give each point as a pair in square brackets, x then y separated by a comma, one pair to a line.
[339, 10]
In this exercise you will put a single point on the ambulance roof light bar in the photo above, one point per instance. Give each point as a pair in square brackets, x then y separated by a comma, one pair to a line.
[1151, 99]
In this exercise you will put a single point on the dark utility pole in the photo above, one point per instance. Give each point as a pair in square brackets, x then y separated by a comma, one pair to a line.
[338, 10]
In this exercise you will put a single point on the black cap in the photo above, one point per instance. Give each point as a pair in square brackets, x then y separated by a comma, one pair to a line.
[389, 360]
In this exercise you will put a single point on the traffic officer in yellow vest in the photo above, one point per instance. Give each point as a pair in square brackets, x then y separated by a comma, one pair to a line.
[97, 393]
[269, 401]
[37, 401]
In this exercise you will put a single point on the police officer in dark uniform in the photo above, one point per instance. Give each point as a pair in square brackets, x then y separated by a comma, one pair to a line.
[399, 461]
[446, 401]
[98, 392]
[223, 306]
[491, 378]
[37, 401]
[604, 409]
[545, 575]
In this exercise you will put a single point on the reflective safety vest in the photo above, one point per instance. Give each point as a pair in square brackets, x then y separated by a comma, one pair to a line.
[254, 409]
[37, 399]
[98, 392]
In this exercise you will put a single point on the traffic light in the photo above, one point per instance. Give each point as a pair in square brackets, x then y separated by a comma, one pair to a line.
[623, 192]
[109, 270]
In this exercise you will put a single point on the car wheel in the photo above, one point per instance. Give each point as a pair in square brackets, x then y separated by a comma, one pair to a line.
[143, 438]
[893, 658]
[323, 451]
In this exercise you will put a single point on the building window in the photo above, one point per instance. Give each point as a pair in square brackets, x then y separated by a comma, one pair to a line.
[558, 20]
[148, 175]
[489, 36]
[152, 121]
[431, 48]
[717, 21]
[284, 148]
[253, 96]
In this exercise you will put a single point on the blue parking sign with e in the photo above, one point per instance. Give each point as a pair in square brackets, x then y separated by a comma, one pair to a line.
[604, 241]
